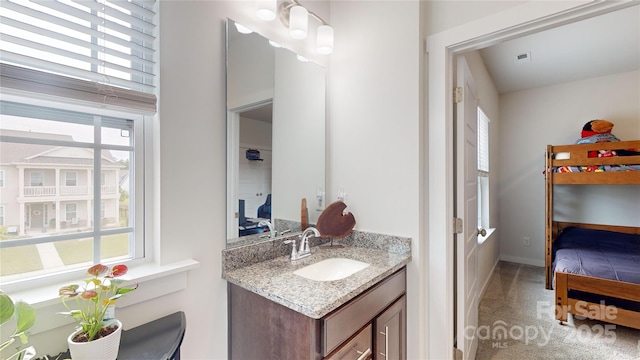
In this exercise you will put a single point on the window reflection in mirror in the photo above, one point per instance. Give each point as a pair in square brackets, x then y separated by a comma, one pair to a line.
[275, 108]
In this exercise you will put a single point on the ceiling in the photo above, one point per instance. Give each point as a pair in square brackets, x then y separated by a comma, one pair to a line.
[603, 45]
[599, 46]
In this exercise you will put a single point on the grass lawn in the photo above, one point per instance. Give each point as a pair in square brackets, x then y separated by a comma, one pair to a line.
[77, 251]
[19, 259]
[22, 259]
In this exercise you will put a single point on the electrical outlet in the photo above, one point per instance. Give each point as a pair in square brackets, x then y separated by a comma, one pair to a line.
[526, 241]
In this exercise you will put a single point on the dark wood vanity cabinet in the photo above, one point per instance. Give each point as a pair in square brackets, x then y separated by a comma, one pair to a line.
[390, 332]
[370, 326]
[359, 348]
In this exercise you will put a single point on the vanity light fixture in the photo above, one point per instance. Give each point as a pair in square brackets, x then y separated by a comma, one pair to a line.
[324, 43]
[296, 18]
[298, 22]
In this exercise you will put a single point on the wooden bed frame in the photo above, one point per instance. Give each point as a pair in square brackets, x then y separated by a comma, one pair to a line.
[565, 281]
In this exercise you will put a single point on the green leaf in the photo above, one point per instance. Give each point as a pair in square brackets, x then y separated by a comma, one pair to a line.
[122, 291]
[25, 316]
[24, 337]
[6, 308]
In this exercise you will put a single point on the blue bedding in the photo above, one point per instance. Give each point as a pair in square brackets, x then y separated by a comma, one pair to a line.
[599, 253]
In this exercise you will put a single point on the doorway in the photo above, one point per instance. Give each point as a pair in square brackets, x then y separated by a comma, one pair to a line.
[248, 128]
[442, 48]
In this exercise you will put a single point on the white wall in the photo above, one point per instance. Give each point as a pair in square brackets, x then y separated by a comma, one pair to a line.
[192, 116]
[374, 130]
[532, 119]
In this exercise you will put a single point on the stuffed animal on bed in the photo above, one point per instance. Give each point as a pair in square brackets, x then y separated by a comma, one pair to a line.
[596, 131]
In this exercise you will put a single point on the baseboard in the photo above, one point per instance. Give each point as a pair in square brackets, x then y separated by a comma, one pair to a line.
[520, 260]
[487, 280]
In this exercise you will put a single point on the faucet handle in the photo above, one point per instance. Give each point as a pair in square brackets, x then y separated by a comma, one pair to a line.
[294, 251]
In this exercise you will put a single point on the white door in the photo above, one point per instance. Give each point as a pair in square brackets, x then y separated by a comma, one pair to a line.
[466, 208]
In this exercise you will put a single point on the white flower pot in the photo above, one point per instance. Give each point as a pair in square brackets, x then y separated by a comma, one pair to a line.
[105, 348]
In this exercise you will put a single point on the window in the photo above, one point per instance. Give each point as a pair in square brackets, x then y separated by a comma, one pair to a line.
[77, 83]
[483, 170]
[37, 178]
[70, 178]
[2, 215]
[57, 208]
[1, 178]
[70, 211]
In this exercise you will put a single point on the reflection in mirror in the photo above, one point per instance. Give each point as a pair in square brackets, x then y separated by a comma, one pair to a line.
[275, 137]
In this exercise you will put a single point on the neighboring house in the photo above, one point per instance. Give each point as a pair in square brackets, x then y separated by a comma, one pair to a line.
[50, 188]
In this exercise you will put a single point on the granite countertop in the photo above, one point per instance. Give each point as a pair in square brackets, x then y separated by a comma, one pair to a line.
[274, 278]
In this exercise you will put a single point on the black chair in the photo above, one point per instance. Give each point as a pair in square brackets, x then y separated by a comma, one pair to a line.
[264, 210]
[157, 340]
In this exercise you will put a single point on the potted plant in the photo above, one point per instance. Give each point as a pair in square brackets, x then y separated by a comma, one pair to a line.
[25, 317]
[98, 333]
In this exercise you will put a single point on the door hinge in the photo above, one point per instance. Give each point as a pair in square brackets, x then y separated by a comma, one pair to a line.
[457, 94]
[457, 226]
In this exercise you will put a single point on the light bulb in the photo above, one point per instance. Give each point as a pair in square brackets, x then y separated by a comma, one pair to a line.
[324, 42]
[302, 58]
[298, 21]
[266, 9]
[274, 44]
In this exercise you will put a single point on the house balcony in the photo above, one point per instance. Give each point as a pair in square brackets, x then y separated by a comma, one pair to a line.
[62, 191]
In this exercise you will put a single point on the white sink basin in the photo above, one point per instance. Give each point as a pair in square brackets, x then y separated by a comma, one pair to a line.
[331, 269]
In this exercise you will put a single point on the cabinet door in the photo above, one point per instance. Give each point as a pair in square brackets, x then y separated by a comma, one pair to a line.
[358, 348]
[390, 332]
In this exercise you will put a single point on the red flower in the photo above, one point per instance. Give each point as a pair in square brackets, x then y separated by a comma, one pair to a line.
[89, 294]
[68, 291]
[119, 270]
[98, 270]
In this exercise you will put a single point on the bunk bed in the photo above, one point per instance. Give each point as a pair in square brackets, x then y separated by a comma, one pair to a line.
[609, 272]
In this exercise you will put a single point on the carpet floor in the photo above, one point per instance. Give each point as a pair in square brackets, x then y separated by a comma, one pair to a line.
[516, 321]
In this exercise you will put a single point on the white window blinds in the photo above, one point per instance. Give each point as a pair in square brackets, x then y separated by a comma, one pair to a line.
[109, 43]
[483, 144]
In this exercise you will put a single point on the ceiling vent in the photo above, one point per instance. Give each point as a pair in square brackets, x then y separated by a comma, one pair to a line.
[522, 58]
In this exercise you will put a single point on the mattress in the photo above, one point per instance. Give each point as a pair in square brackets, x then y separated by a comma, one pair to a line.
[598, 253]
[596, 168]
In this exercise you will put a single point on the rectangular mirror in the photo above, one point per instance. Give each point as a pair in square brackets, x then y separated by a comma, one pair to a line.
[275, 136]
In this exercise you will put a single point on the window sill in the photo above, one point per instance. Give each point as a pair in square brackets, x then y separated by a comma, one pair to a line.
[482, 239]
[154, 280]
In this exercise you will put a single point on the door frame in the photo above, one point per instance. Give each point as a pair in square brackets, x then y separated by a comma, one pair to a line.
[233, 161]
[528, 18]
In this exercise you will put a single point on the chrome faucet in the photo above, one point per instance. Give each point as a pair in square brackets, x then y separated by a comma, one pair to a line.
[304, 250]
[267, 223]
[304, 241]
